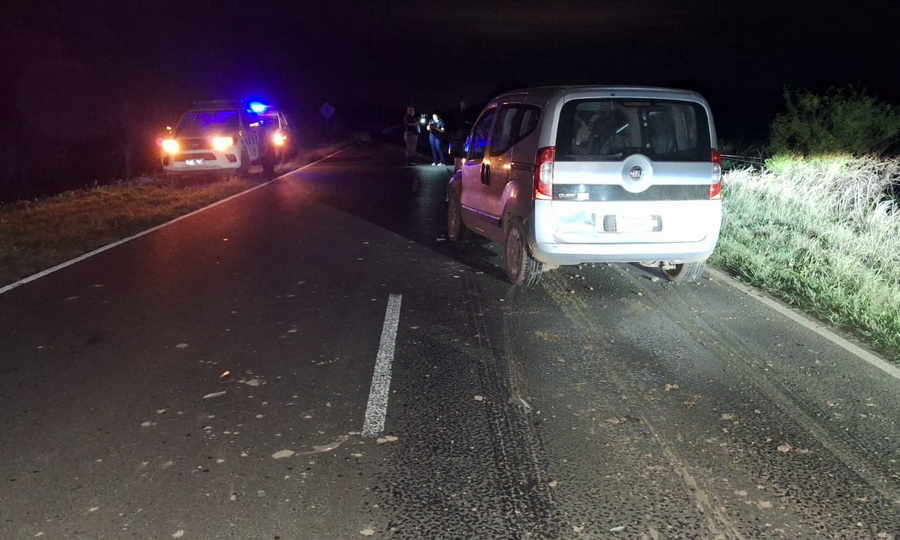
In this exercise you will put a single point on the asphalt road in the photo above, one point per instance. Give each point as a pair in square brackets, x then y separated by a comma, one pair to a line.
[312, 360]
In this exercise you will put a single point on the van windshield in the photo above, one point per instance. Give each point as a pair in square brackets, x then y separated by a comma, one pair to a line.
[612, 129]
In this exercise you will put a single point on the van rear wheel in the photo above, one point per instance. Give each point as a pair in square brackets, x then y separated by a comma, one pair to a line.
[684, 272]
[457, 232]
[521, 268]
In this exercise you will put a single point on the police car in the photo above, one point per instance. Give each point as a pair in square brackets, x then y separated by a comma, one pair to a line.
[225, 136]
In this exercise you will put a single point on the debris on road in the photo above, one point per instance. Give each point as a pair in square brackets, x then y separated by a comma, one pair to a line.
[385, 439]
[214, 395]
[327, 447]
[281, 454]
[520, 402]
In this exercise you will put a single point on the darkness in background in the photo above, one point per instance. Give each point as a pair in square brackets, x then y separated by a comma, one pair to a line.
[89, 84]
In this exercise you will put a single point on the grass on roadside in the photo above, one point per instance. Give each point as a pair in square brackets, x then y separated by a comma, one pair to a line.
[36, 235]
[821, 235]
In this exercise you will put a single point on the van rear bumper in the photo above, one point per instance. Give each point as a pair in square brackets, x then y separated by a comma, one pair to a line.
[568, 254]
[579, 232]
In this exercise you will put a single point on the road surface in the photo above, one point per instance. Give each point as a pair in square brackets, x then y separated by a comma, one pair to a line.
[312, 361]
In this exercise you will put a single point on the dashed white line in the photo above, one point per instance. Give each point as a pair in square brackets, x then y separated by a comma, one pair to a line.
[376, 410]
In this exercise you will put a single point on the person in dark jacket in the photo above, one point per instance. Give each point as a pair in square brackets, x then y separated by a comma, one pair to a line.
[410, 133]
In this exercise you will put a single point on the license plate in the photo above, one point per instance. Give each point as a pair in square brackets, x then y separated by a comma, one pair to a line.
[631, 224]
[193, 162]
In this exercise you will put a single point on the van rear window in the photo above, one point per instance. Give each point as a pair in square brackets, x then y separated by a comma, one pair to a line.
[612, 129]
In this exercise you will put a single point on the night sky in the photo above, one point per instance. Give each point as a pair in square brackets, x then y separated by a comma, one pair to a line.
[155, 56]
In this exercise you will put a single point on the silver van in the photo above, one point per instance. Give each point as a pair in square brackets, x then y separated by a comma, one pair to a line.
[571, 175]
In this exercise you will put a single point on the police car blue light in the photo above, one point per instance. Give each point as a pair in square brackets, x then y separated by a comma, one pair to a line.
[258, 107]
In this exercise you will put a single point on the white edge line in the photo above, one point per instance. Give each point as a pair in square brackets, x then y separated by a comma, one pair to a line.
[376, 409]
[101, 249]
[826, 333]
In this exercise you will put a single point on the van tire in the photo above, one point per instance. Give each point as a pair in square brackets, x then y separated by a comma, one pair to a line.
[685, 272]
[521, 268]
[460, 235]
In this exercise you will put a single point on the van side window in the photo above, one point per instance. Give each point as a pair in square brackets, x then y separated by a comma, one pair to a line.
[514, 123]
[530, 115]
[481, 135]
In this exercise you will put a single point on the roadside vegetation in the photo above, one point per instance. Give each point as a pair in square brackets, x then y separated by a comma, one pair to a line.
[820, 234]
[38, 234]
[820, 228]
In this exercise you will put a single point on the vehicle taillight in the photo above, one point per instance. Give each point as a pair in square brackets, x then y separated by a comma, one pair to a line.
[715, 189]
[543, 173]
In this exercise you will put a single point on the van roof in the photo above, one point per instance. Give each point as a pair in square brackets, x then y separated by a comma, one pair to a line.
[605, 90]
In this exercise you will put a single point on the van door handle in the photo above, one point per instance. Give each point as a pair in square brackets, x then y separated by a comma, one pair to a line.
[485, 174]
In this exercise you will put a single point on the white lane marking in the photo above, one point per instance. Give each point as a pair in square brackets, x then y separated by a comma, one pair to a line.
[101, 249]
[847, 345]
[376, 410]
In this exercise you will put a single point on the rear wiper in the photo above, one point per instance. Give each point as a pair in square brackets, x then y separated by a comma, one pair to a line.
[604, 156]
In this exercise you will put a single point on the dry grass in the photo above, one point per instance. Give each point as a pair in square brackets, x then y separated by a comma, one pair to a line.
[822, 235]
[35, 235]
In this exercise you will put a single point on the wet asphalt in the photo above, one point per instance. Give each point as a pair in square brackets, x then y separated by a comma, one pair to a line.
[210, 380]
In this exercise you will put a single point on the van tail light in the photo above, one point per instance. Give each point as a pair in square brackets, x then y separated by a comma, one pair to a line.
[543, 173]
[715, 189]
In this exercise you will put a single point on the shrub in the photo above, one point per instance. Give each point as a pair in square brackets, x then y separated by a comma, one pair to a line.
[843, 121]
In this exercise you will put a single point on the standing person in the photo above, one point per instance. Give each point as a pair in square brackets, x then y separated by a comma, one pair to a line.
[435, 139]
[410, 133]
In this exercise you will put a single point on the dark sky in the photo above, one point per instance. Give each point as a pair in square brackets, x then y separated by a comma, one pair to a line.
[740, 54]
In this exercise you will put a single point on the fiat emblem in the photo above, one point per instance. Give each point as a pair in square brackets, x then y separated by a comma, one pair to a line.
[636, 173]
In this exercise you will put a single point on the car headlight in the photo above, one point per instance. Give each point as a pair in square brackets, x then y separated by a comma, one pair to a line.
[171, 146]
[279, 138]
[222, 143]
